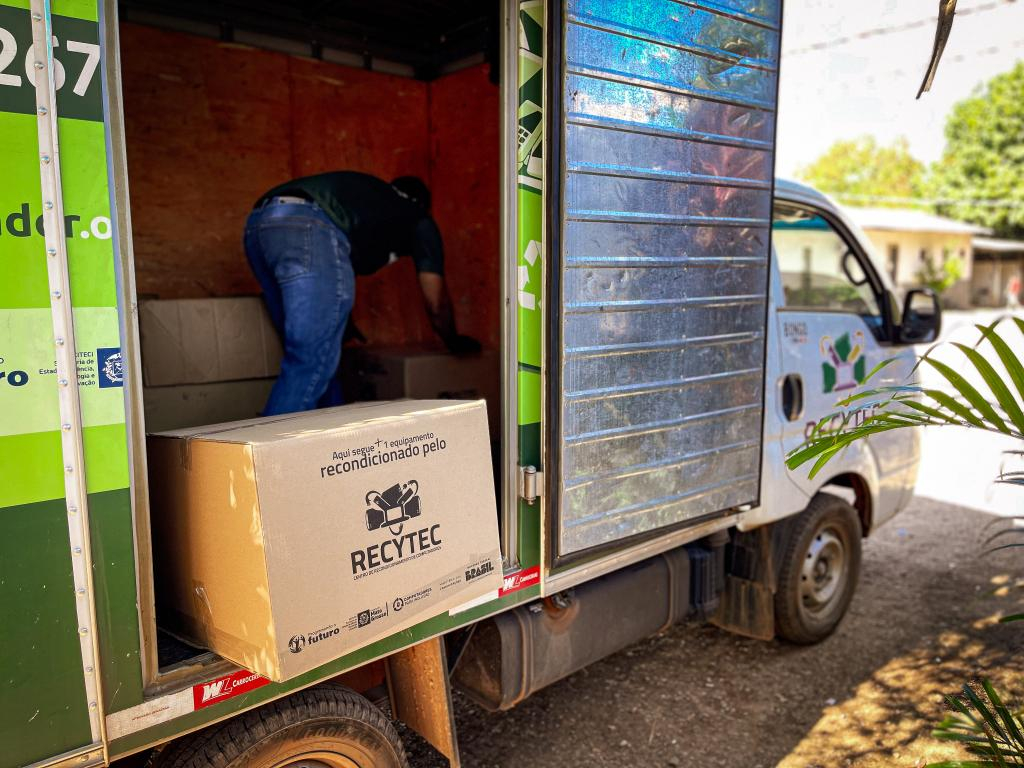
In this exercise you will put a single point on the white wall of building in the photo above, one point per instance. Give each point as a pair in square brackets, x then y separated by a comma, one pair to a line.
[903, 254]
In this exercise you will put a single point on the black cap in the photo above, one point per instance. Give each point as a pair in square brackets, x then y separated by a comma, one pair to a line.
[413, 188]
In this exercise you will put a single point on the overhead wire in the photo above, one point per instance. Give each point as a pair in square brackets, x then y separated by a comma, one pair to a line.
[928, 201]
[899, 73]
[891, 29]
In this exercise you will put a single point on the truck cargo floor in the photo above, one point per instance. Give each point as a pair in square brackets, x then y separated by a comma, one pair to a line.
[171, 650]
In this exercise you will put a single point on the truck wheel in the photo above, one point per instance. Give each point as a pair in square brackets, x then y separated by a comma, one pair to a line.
[323, 727]
[819, 572]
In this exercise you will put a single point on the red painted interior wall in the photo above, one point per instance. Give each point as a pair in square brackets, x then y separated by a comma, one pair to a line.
[210, 126]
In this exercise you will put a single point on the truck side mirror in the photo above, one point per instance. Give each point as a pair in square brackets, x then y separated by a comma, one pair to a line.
[922, 317]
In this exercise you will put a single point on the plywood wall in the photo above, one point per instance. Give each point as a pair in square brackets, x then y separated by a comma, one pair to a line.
[464, 152]
[210, 126]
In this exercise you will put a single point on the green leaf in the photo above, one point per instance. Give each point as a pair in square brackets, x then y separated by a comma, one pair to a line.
[863, 394]
[1009, 360]
[982, 709]
[995, 383]
[969, 393]
[1004, 546]
[1003, 533]
[878, 368]
[1012, 617]
[849, 438]
[951, 404]
[935, 413]
[1004, 714]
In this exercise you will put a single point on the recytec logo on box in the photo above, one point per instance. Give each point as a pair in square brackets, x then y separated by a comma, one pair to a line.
[403, 516]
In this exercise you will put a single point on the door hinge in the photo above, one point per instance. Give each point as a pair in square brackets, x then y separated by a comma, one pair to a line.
[530, 483]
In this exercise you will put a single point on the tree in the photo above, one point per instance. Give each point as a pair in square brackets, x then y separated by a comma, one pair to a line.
[852, 168]
[943, 277]
[983, 161]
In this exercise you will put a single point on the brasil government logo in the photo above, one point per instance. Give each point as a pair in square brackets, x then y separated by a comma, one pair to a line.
[110, 363]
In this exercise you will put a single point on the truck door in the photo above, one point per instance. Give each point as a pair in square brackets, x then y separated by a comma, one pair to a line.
[659, 242]
[833, 329]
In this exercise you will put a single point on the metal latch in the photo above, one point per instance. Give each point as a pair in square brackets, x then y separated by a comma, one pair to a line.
[530, 481]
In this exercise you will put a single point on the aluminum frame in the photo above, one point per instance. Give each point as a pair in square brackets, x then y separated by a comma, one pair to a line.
[562, 571]
[65, 353]
[509, 212]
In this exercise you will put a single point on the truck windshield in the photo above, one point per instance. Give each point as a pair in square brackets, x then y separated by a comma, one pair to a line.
[820, 271]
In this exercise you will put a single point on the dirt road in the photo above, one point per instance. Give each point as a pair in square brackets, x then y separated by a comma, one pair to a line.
[922, 622]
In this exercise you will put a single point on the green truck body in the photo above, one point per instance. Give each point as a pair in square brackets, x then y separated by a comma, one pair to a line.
[77, 679]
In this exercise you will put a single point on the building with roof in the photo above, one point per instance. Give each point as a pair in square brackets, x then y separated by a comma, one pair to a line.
[906, 239]
[998, 272]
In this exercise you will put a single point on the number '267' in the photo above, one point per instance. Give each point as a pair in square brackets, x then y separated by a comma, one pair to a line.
[9, 51]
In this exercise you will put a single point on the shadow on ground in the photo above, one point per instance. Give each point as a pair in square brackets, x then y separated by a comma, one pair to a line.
[923, 622]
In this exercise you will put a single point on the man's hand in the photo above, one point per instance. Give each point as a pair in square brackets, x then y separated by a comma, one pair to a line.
[462, 346]
[439, 308]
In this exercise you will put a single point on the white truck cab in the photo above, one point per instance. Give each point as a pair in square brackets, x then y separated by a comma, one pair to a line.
[833, 318]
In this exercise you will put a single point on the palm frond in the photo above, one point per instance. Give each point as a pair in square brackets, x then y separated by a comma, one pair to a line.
[986, 728]
[994, 403]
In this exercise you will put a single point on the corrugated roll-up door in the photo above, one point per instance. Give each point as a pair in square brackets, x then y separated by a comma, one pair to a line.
[668, 122]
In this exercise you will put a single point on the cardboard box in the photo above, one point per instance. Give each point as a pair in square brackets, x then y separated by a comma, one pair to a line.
[390, 373]
[190, 405]
[285, 542]
[196, 341]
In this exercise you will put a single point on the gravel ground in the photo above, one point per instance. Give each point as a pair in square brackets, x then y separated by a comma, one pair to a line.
[923, 621]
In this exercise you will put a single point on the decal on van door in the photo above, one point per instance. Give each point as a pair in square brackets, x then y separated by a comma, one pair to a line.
[844, 365]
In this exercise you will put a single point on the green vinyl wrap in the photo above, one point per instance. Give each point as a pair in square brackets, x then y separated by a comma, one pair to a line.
[43, 707]
[42, 699]
[531, 253]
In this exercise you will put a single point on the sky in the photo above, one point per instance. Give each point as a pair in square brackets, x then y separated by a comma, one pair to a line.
[867, 86]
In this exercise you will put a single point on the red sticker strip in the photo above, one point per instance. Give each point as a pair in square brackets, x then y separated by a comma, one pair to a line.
[243, 681]
[519, 580]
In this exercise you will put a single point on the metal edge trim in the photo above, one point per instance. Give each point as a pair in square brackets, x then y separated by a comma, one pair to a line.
[769, 309]
[591, 570]
[526, 595]
[509, 282]
[79, 758]
[65, 351]
[551, 228]
[127, 310]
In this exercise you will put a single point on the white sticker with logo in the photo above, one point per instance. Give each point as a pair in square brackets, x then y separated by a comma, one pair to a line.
[28, 372]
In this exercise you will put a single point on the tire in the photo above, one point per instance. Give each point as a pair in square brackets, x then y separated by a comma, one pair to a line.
[326, 726]
[819, 571]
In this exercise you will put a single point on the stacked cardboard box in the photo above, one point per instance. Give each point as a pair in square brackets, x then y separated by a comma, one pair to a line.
[206, 360]
[213, 360]
[286, 542]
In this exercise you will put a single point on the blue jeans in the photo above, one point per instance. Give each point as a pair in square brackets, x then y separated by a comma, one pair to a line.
[301, 260]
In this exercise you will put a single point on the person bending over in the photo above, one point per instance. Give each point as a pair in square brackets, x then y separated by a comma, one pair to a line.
[307, 239]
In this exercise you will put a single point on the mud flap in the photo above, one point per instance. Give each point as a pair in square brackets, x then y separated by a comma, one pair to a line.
[747, 605]
[746, 608]
[421, 696]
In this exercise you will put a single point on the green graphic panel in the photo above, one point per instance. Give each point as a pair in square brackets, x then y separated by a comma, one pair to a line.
[23, 279]
[43, 709]
[42, 698]
[38, 475]
[531, 247]
[28, 374]
[76, 53]
[116, 607]
[79, 9]
[531, 277]
[529, 396]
